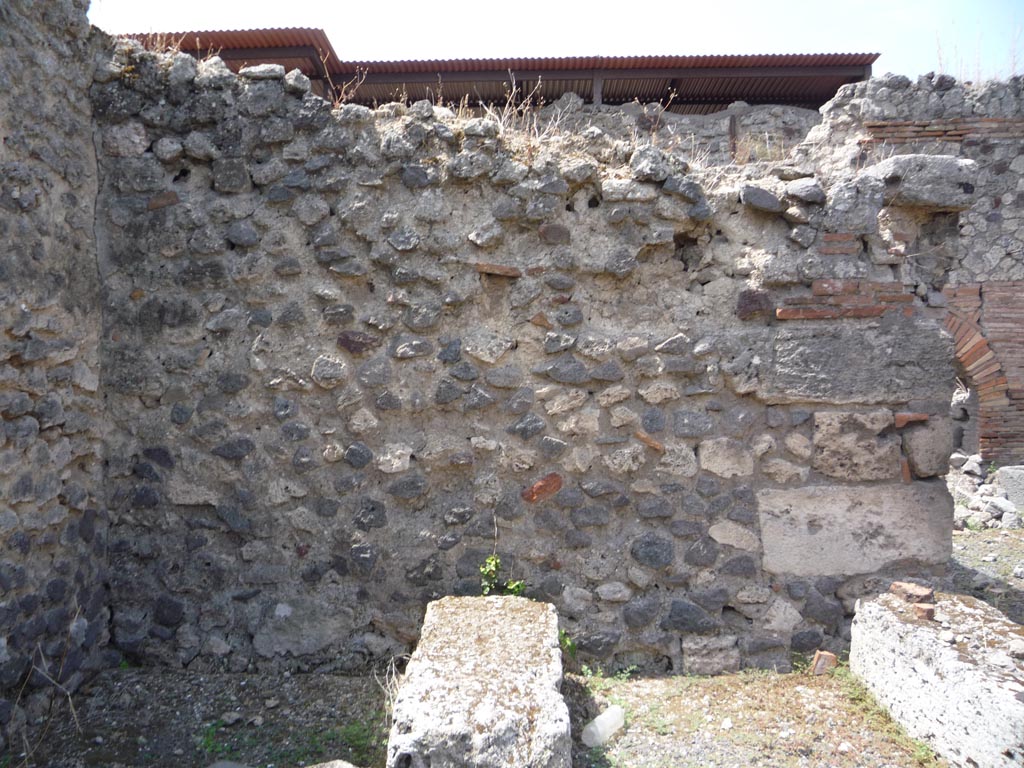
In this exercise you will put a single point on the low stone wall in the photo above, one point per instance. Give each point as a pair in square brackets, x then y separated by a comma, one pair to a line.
[944, 679]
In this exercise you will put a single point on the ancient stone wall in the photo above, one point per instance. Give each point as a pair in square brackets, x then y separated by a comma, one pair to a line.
[53, 607]
[337, 357]
[348, 353]
[984, 272]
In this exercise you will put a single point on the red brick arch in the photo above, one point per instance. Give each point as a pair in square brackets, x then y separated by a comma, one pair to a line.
[987, 324]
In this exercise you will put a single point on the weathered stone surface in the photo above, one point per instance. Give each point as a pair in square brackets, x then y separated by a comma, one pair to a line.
[710, 655]
[945, 689]
[1011, 480]
[928, 446]
[760, 199]
[839, 365]
[287, 629]
[734, 535]
[847, 445]
[482, 688]
[836, 530]
[939, 182]
[725, 457]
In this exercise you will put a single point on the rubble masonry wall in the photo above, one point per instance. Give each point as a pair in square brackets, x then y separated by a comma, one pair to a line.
[333, 358]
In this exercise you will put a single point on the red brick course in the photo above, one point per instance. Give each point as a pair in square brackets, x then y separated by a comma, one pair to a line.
[838, 299]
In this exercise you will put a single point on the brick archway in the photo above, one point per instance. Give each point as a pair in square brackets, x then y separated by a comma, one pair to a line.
[985, 320]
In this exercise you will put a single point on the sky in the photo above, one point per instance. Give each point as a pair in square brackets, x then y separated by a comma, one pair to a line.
[969, 39]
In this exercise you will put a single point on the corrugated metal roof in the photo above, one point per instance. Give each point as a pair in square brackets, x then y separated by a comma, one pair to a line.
[308, 46]
[700, 84]
[614, 62]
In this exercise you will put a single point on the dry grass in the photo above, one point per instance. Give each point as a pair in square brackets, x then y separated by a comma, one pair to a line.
[752, 718]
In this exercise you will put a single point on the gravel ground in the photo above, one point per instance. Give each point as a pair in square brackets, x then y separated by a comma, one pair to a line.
[128, 718]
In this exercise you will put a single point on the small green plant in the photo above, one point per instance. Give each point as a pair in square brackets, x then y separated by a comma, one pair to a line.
[625, 673]
[491, 583]
[210, 742]
[567, 644]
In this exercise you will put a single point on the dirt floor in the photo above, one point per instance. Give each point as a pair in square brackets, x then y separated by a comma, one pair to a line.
[131, 717]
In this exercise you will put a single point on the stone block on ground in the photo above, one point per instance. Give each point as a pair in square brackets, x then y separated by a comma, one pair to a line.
[946, 686]
[482, 688]
[1011, 480]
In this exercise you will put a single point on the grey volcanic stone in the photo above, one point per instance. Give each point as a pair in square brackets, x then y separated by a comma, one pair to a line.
[684, 616]
[406, 347]
[702, 553]
[237, 448]
[653, 551]
[358, 455]
[806, 190]
[691, 423]
[567, 370]
[640, 612]
[761, 199]
[528, 425]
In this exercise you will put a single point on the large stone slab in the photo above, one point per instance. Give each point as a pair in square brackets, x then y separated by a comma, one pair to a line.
[482, 688]
[912, 360]
[937, 182]
[959, 688]
[846, 530]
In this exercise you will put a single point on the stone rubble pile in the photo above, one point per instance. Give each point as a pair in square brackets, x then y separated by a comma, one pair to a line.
[983, 496]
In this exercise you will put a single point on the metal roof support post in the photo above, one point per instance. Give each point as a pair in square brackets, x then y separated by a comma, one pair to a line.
[597, 89]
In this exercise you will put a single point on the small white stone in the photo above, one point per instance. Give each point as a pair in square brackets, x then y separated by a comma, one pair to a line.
[613, 395]
[621, 415]
[566, 401]
[333, 453]
[658, 392]
[762, 444]
[394, 458]
[362, 421]
[734, 535]
[625, 460]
